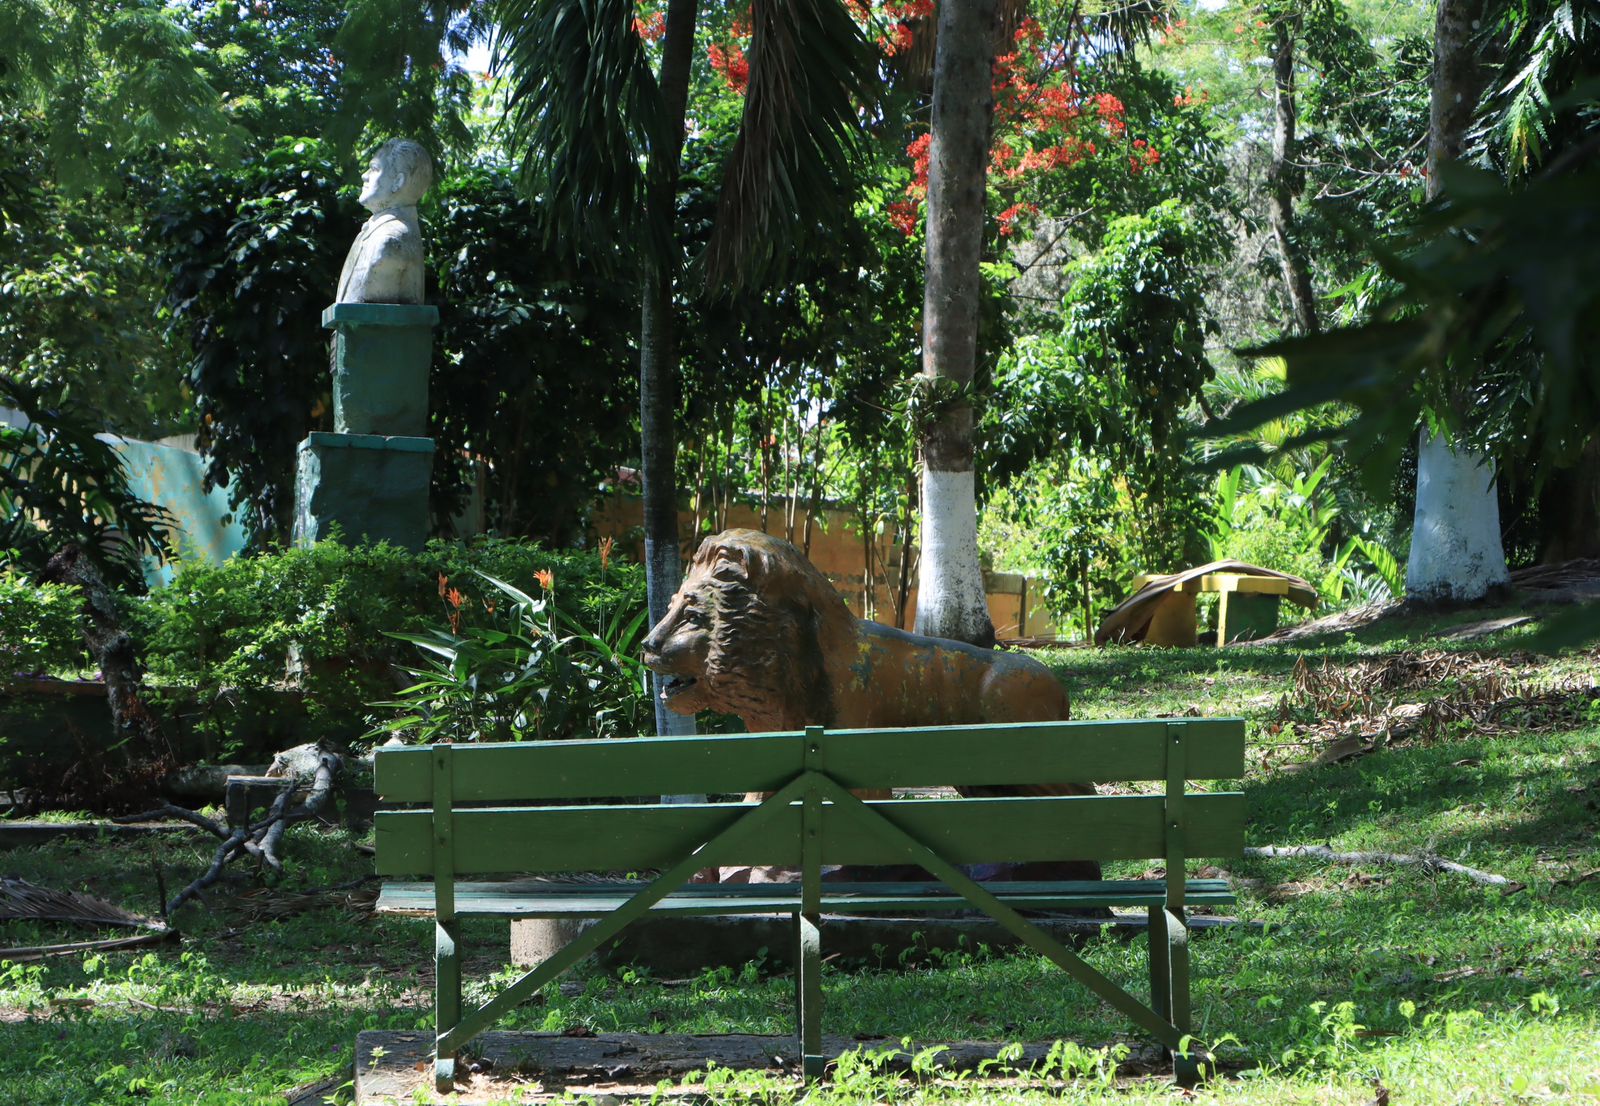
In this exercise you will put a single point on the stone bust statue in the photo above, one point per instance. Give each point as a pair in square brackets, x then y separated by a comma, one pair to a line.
[384, 264]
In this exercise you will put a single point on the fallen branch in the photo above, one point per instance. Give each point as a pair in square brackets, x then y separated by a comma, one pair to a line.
[259, 839]
[182, 814]
[21, 900]
[40, 952]
[1425, 862]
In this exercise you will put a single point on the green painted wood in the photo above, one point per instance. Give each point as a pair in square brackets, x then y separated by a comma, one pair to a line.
[447, 979]
[811, 829]
[877, 821]
[965, 831]
[1052, 752]
[809, 1015]
[1178, 957]
[1160, 967]
[750, 822]
[1176, 813]
[517, 899]
[442, 825]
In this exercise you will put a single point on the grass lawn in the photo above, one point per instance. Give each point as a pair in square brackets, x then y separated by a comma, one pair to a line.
[1370, 985]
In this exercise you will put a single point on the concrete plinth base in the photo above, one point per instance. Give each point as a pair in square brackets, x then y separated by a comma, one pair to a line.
[374, 487]
[381, 353]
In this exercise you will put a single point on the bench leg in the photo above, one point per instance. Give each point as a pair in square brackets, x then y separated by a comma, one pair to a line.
[447, 997]
[808, 993]
[1160, 966]
[1185, 1069]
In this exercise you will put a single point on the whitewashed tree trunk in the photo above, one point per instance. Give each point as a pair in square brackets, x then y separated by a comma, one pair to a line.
[951, 601]
[1455, 538]
[950, 594]
[1455, 541]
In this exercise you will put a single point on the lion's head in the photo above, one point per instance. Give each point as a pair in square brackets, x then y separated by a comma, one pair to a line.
[745, 634]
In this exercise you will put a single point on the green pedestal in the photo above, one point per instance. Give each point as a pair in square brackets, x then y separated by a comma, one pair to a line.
[381, 353]
[374, 487]
[1249, 616]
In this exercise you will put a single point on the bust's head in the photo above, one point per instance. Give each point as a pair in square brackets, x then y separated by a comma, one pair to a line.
[400, 172]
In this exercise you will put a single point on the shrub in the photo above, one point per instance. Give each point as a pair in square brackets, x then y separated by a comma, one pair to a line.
[320, 619]
[39, 629]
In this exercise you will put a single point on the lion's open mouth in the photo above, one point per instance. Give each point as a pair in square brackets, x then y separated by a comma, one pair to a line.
[676, 685]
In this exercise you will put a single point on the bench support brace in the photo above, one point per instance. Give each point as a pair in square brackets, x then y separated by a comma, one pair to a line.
[880, 822]
[709, 855]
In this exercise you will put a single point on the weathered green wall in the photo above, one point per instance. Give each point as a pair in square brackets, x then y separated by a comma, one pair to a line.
[174, 478]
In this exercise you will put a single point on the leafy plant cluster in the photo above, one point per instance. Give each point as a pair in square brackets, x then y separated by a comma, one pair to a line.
[319, 621]
[253, 257]
[38, 627]
[526, 670]
[1084, 424]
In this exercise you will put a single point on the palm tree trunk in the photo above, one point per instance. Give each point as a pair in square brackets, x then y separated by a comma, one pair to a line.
[657, 355]
[1284, 177]
[950, 598]
[1456, 554]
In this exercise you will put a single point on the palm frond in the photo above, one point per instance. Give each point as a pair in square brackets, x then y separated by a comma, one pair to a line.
[21, 900]
[586, 110]
[812, 73]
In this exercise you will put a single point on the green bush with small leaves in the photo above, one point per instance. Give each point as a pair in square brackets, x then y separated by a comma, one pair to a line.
[319, 622]
[39, 627]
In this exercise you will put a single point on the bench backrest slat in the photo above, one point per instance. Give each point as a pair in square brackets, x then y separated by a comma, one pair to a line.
[1048, 752]
[626, 838]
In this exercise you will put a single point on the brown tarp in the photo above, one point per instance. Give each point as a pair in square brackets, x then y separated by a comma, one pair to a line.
[1129, 620]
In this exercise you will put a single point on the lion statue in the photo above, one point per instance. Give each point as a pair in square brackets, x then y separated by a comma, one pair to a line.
[757, 631]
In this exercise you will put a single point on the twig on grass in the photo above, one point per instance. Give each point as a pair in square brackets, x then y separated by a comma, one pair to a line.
[1425, 862]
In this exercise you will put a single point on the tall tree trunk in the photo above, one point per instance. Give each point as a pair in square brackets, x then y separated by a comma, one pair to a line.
[1456, 552]
[1284, 177]
[657, 356]
[950, 599]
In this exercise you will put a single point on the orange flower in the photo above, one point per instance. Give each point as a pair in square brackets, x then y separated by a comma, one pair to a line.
[454, 598]
[546, 578]
[606, 546]
[444, 582]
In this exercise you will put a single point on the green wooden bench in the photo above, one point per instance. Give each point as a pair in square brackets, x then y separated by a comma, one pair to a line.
[528, 808]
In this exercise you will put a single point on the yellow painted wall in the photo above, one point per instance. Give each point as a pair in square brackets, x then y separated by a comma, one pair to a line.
[839, 552]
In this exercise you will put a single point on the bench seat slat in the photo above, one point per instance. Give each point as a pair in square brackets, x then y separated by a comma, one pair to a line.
[1053, 752]
[547, 899]
[964, 831]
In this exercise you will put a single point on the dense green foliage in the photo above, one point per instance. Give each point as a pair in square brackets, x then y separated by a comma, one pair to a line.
[253, 257]
[532, 388]
[319, 621]
[1126, 244]
[1105, 390]
[38, 627]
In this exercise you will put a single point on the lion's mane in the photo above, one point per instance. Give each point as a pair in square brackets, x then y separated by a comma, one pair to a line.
[768, 626]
